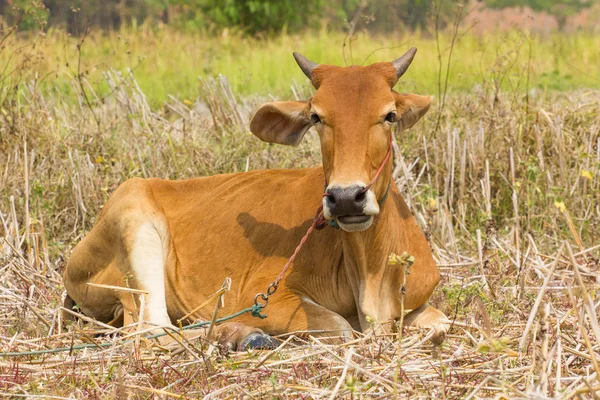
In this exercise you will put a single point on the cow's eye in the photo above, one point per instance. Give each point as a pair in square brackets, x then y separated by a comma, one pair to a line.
[314, 118]
[391, 117]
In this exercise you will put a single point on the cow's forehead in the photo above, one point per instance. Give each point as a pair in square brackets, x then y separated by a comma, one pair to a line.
[365, 88]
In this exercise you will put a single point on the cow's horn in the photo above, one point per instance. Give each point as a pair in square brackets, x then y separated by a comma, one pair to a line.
[305, 64]
[401, 64]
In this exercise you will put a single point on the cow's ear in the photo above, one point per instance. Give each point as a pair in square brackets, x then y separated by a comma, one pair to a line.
[283, 122]
[410, 108]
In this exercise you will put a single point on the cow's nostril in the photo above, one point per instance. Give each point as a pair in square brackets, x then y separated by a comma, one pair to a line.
[361, 196]
[349, 200]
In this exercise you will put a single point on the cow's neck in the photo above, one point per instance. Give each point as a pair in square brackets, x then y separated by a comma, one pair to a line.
[374, 284]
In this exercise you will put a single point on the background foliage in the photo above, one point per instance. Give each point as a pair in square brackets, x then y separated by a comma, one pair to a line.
[561, 9]
[261, 16]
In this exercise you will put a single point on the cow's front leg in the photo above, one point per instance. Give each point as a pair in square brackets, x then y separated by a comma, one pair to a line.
[238, 336]
[291, 313]
[286, 313]
[233, 336]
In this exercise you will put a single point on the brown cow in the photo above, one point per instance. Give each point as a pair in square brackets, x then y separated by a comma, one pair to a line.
[178, 240]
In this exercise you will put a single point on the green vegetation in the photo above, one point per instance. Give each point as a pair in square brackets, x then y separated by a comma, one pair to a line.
[167, 62]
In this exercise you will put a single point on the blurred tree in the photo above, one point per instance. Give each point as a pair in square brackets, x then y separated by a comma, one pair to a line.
[560, 9]
[395, 15]
[28, 14]
[77, 15]
[254, 16]
[249, 16]
[403, 14]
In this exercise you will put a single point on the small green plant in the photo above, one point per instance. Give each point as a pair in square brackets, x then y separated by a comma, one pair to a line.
[499, 345]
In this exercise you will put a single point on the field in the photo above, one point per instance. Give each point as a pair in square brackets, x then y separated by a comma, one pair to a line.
[166, 62]
[503, 174]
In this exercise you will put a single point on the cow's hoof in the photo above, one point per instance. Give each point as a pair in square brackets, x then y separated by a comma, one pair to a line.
[257, 341]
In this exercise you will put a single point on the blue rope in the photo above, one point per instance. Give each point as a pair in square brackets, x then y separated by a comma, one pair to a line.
[385, 196]
[254, 310]
[333, 223]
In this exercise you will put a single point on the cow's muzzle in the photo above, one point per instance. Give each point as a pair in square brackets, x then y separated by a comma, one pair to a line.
[346, 201]
[351, 206]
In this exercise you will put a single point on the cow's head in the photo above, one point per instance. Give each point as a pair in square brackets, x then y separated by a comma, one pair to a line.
[353, 109]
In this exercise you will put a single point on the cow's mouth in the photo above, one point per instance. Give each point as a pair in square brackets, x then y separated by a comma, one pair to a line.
[354, 219]
[355, 223]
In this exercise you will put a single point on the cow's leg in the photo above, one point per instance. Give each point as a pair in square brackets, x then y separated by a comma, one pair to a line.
[127, 247]
[238, 336]
[147, 258]
[427, 317]
[234, 336]
[319, 321]
[288, 312]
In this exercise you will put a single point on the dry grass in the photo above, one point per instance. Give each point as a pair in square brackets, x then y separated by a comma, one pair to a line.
[507, 187]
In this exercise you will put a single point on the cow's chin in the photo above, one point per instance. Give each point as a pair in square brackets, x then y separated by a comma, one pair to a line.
[355, 223]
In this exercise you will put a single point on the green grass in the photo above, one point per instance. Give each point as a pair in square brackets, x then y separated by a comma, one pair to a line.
[166, 62]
